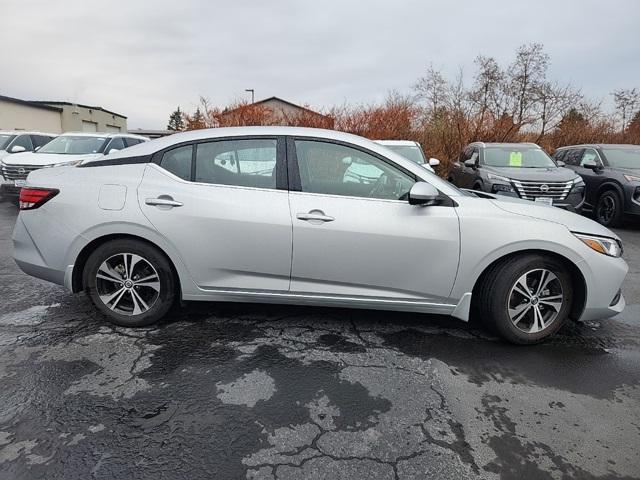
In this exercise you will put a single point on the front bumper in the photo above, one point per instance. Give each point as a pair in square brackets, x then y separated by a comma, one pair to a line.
[632, 200]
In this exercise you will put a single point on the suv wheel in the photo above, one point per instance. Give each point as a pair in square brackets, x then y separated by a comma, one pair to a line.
[609, 209]
[525, 299]
[130, 282]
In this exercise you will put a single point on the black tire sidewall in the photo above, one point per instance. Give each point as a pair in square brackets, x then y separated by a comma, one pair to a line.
[615, 219]
[152, 255]
[500, 298]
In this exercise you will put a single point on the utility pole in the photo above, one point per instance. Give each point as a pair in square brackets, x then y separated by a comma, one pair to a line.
[253, 98]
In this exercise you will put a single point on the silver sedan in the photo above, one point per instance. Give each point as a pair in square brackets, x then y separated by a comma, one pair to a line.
[307, 216]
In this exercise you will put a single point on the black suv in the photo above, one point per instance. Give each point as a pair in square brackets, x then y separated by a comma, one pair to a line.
[612, 177]
[521, 170]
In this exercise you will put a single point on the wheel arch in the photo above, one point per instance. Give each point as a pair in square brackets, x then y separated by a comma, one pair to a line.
[85, 252]
[577, 277]
[610, 185]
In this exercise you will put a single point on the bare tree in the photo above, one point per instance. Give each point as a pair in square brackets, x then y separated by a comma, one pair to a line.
[433, 89]
[552, 102]
[525, 75]
[626, 100]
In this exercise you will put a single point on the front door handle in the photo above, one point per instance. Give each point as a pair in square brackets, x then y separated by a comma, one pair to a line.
[163, 201]
[315, 216]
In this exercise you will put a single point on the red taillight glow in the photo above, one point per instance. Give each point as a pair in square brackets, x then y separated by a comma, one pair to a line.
[32, 198]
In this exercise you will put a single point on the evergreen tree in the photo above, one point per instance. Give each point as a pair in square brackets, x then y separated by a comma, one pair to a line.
[176, 121]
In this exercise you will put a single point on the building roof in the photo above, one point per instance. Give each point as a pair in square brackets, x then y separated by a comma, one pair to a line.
[91, 107]
[29, 103]
[291, 104]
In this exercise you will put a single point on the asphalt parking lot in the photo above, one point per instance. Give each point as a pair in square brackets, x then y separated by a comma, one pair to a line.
[255, 391]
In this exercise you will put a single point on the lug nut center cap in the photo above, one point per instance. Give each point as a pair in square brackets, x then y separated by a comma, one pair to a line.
[534, 301]
[128, 284]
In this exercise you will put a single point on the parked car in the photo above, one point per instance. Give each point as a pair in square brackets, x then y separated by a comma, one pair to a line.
[19, 141]
[66, 149]
[520, 170]
[270, 214]
[411, 150]
[612, 177]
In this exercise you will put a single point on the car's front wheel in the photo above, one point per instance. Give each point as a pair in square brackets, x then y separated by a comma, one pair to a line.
[609, 209]
[525, 299]
[130, 282]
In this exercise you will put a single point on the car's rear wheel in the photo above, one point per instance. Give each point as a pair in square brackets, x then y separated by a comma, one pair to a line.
[130, 282]
[609, 209]
[525, 299]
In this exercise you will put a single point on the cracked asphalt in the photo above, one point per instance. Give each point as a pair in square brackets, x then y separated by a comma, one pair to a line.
[266, 392]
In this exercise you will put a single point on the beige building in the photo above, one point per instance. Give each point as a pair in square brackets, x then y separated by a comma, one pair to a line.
[58, 117]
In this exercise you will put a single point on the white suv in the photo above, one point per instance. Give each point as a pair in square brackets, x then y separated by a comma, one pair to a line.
[20, 141]
[67, 149]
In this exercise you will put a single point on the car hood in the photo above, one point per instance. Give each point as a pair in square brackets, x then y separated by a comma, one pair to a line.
[553, 174]
[42, 159]
[3, 153]
[573, 221]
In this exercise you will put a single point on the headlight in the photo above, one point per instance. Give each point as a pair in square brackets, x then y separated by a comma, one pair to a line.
[632, 178]
[492, 176]
[578, 181]
[608, 246]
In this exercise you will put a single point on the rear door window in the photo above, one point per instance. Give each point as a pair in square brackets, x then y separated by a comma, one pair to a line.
[244, 163]
[178, 161]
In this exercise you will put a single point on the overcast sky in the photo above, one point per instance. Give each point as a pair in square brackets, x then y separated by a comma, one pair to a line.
[144, 58]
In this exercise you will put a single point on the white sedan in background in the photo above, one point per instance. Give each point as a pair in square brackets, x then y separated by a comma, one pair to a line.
[411, 150]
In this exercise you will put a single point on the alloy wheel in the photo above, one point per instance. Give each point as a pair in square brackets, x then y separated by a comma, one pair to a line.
[128, 284]
[535, 300]
[606, 209]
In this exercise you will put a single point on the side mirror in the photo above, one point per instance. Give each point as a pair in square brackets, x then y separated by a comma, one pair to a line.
[18, 149]
[434, 162]
[113, 150]
[471, 163]
[560, 163]
[591, 165]
[423, 193]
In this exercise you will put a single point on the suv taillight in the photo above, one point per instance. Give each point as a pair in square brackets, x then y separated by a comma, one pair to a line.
[32, 198]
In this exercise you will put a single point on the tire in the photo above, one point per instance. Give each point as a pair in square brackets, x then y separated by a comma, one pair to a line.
[608, 211]
[111, 285]
[498, 298]
[478, 187]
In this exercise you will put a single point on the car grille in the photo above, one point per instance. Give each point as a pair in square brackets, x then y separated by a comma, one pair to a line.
[18, 172]
[533, 190]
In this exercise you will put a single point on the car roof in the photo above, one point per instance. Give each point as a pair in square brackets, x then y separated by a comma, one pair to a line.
[27, 132]
[506, 144]
[157, 144]
[101, 134]
[623, 146]
[398, 143]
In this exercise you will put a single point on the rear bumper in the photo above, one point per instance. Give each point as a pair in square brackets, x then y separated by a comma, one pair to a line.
[29, 258]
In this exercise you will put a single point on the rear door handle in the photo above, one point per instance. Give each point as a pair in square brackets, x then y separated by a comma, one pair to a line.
[315, 216]
[163, 201]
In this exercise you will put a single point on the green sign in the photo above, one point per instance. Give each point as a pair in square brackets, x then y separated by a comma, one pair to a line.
[515, 159]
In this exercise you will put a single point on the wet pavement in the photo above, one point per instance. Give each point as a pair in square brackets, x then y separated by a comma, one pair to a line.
[264, 392]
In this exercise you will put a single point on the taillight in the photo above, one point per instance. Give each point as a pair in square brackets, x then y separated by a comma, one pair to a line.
[32, 198]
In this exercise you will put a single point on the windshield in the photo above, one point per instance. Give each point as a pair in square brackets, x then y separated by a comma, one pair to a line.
[75, 145]
[517, 157]
[413, 152]
[623, 157]
[5, 140]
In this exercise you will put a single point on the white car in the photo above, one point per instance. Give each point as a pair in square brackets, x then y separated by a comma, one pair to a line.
[308, 216]
[411, 150]
[66, 149]
[18, 141]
